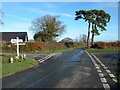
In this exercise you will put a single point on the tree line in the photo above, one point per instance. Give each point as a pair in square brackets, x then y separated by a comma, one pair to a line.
[47, 28]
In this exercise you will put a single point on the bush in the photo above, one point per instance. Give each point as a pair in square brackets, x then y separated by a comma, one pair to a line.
[69, 44]
[94, 46]
[5, 43]
[106, 45]
[5, 58]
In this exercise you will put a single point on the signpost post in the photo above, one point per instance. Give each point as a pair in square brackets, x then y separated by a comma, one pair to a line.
[18, 54]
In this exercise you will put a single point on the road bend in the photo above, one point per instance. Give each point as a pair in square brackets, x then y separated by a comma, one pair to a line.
[71, 69]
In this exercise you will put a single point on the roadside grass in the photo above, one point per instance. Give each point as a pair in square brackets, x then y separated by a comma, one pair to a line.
[5, 58]
[103, 50]
[17, 66]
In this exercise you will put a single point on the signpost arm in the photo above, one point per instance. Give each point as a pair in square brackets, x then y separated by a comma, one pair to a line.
[18, 46]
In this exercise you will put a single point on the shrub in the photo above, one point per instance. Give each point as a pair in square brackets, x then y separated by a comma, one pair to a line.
[69, 44]
[106, 45]
[5, 58]
[94, 46]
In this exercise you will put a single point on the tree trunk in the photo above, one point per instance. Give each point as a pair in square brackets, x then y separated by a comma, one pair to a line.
[92, 39]
[88, 35]
[93, 34]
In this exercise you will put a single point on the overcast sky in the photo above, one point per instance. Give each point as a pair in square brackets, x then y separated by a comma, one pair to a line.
[19, 15]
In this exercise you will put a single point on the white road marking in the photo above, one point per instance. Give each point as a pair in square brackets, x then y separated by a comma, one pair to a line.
[106, 86]
[111, 75]
[115, 80]
[101, 74]
[103, 65]
[106, 68]
[97, 67]
[108, 71]
[48, 56]
[99, 71]
[103, 80]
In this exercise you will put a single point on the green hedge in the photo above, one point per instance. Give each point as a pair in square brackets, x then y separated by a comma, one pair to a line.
[39, 47]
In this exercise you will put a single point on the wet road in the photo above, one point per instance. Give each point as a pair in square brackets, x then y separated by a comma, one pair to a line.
[71, 69]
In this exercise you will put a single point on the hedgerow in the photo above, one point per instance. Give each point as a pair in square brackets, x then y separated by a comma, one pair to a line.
[102, 45]
[39, 46]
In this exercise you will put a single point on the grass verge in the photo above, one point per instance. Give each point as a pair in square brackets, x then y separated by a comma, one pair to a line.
[103, 50]
[12, 68]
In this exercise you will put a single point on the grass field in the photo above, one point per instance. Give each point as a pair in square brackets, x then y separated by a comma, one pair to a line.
[12, 68]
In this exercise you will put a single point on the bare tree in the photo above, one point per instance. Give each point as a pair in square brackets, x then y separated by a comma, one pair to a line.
[47, 28]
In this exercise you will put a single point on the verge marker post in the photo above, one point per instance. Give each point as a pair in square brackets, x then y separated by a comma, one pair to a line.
[11, 59]
[24, 55]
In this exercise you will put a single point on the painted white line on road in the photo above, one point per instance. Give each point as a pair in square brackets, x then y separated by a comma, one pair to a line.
[91, 57]
[103, 80]
[48, 56]
[101, 75]
[108, 71]
[41, 61]
[99, 71]
[97, 59]
[103, 65]
[111, 75]
[97, 67]
[106, 68]
[106, 86]
[115, 80]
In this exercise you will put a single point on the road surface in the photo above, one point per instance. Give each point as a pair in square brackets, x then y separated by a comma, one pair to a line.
[71, 69]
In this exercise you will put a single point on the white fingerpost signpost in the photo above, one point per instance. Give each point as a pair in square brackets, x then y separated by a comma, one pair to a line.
[16, 42]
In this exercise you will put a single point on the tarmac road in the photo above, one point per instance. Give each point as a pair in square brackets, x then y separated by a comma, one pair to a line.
[71, 69]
